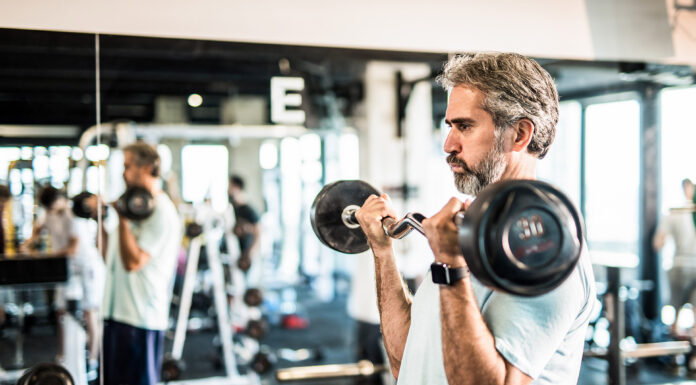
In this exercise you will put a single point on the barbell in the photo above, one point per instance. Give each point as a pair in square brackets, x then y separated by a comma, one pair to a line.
[523, 237]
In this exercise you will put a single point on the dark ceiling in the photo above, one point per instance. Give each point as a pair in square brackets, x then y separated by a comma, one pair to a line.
[48, 78]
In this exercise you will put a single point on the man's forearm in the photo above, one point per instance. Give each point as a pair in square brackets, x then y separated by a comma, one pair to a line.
[394, 303]
[468, 346]
[132, 256]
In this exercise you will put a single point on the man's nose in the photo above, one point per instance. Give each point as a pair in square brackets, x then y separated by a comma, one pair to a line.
[451, 143]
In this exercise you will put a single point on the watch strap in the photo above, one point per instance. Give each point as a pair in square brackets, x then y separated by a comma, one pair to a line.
[443, 274]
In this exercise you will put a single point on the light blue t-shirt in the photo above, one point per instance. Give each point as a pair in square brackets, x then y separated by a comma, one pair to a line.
[142, 298]
[542, 336]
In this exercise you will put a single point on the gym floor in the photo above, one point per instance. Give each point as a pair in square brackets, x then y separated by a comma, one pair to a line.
[330, 330]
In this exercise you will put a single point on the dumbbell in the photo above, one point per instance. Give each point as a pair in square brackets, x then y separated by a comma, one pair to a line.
[193, 230]
[256, 329]
[263, 361]
[253, 297]
[82, 209]
[172, 369]
[46, 373]
[136, 204]
[244, 263]
[523, 237]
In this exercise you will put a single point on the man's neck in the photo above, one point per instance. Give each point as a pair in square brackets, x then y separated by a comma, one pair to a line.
[151, 186]
[523, 167]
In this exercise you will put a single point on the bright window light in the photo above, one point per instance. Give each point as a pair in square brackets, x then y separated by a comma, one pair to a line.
[93, 180]
[27, 153]
[7, 155]
[97, 153]
[668, 315]
[310, 146]
[204, 173]
[268, 155]
[40, 164]
[612, 148]
[686, 317]
[290, 166]
[349, 156]
[75, 182]
[76, 153]
[165, 158]
[678, 137]
[561, 165]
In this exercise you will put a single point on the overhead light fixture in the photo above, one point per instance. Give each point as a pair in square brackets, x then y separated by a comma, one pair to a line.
[195, 100]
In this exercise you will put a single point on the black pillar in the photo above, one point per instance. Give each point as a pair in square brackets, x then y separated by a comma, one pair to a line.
[650, 265]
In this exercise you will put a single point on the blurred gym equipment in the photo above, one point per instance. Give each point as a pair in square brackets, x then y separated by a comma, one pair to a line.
[360, 369]
[47, 373]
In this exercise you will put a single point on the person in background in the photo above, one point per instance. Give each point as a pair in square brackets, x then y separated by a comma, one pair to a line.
[246, 225]
[141, 261]
[679, 226]
[54, 233]
[89, 274]
[5, 197]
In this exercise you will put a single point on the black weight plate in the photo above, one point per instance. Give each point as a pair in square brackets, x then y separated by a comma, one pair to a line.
[80, 207]
[326, 214]
[523, 237]
[172, 369]
[140, 203]
[253, 297]
[46, 373]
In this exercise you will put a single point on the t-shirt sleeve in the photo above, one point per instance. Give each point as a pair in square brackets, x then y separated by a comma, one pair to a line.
[528, 330]
[156, 232]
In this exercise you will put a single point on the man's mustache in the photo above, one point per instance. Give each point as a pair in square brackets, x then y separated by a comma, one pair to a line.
[452, 159]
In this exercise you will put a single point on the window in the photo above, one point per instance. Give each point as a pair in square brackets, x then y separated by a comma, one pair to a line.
[678, 138]
[204, 173]
[612, 176]
[561, 165]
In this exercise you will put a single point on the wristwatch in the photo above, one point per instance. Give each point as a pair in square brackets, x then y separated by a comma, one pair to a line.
[443, 274]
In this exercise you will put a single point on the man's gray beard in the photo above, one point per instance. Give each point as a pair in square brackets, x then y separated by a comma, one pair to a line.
[488, 171]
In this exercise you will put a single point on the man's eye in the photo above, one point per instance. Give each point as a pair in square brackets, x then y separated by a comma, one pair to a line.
[462, 126]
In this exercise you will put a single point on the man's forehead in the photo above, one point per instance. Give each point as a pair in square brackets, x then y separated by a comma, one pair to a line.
[462, 100]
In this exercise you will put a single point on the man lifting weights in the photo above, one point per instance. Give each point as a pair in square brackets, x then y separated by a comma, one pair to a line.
[141, 259]
[502, 111]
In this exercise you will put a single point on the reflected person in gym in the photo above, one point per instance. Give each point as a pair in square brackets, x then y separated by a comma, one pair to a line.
[141, 259]
[502, 111]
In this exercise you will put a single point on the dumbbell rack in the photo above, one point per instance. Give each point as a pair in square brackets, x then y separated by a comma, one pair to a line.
[615, 355]
[29, 272]
[220, 300]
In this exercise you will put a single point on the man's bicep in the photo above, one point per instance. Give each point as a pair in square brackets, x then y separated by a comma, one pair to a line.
[528, 331]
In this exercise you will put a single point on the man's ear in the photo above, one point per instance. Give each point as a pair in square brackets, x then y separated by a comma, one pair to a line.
[523, 133]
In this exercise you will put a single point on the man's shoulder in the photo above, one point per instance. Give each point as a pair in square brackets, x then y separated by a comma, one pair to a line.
[165, 205]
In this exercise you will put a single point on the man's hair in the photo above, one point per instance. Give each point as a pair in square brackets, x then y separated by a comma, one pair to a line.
[686, 182]
[514, 87]
[5, 192]
[48, 195]
[237, 180]
[145, 155]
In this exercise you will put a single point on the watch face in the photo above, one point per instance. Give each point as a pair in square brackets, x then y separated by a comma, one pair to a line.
[439, 273]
